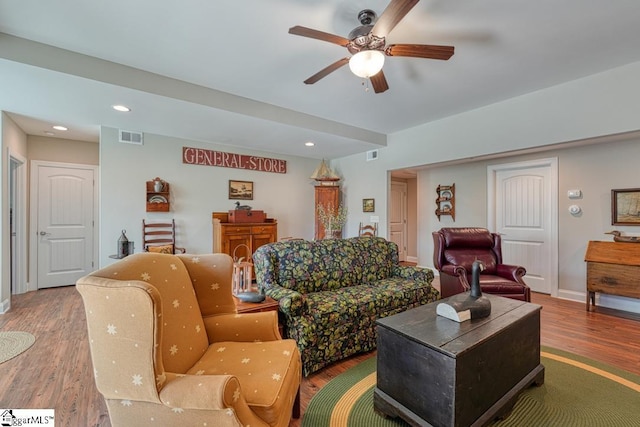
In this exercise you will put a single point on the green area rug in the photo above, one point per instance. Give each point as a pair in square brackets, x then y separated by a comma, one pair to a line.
[577, 392]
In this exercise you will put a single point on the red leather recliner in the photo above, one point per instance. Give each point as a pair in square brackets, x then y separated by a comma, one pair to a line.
[454, 251]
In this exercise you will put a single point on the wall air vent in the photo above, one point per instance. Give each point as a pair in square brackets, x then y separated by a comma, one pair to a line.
[130, 137]
[372, 155]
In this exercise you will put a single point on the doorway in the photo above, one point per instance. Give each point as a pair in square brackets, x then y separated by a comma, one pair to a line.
[17, 223]
[522, 202]
[63, 209]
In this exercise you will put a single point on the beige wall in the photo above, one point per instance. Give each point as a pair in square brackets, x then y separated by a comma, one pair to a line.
[595, 169]
[62, 150]
[196, 191]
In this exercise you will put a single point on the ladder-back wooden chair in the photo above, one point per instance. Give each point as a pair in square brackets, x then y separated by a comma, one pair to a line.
[160, 237]
[368, 230]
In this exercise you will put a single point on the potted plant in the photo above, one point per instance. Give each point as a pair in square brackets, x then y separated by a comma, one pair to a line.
[332, 219]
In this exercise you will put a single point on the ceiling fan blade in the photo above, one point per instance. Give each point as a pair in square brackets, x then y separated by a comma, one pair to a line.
[395, 11]
[326, 71]
[319, 35]
[379, 82]
[420, 51]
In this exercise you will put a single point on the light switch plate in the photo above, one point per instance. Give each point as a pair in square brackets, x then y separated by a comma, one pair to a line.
[574, 194]
[374, 218]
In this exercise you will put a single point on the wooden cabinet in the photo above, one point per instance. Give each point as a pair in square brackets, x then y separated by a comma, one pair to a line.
[446, 201]
[326, 195]
[158, 193]
[612, 268]
[229, 237]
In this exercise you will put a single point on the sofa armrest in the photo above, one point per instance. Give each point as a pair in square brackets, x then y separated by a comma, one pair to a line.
[417, 274]
[513, 272]
[208, 392]
[290, 302]
[246, 327]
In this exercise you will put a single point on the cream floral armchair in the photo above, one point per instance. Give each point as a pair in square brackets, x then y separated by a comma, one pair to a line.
[168, 347]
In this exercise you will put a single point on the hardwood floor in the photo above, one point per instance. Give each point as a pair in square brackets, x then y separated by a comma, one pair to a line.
[57, 373]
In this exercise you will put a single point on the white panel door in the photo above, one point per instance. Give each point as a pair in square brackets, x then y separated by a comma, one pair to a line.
[65, 211]
[398, 217]
[525, 208]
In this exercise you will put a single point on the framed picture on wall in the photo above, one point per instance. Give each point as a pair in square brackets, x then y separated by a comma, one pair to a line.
[241, 190]
[368, 205]
[625, 206]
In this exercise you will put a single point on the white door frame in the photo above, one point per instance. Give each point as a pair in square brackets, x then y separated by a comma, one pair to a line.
[34, 197]
[20, 221]
[552, 163]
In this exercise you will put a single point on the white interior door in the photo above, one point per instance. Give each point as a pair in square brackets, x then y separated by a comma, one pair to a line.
[65, 223]
[398, 217]
[525, 214]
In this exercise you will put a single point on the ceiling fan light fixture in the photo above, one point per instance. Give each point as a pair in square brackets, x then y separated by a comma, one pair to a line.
[366, 63]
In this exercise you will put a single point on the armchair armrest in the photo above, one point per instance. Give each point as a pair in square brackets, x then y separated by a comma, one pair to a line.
[208, 392]
[412, 273]
[455, 270]
[513, 272]
[290, 302]
[243, 327]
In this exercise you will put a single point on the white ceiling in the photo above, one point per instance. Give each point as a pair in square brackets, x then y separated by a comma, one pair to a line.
[228, 71]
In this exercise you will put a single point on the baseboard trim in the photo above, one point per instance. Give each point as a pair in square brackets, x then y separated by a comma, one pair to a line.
[5, 306]
[609, 301]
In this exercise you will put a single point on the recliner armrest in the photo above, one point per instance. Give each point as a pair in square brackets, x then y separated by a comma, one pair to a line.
[512, 272]
[246, 327]
[454, 270]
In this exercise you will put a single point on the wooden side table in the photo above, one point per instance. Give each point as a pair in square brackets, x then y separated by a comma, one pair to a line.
[269, 304]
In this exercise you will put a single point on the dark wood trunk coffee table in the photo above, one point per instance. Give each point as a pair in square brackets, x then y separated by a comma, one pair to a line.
[433, 371]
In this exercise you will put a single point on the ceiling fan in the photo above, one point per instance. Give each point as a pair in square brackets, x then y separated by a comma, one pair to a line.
[367, 44]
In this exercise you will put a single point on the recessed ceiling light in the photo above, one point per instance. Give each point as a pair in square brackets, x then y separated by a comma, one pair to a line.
[58, 127]
[309, 144]
[48, 132]
[122, 108]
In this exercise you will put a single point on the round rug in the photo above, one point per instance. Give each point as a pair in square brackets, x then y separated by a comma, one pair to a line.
[14, 343]
[576, 392]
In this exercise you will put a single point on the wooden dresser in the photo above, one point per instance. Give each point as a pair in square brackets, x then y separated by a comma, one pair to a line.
[612, 268]
[227, 236]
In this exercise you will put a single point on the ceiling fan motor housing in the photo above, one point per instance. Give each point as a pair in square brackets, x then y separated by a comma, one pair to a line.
[361, 37]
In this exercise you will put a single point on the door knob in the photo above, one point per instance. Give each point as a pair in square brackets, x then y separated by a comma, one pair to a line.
[44, 233]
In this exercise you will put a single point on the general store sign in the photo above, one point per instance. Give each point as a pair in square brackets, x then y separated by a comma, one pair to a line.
[199, 156]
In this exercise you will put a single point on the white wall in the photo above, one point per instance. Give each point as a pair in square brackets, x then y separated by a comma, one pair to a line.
[595, 106]
[196, 191]
[14, 140]
[62, 150]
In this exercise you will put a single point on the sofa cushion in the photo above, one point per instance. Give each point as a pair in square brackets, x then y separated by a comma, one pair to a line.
[265, 370]
[316, 266]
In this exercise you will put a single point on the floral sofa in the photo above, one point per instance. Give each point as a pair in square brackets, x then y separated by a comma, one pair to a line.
[332, 291]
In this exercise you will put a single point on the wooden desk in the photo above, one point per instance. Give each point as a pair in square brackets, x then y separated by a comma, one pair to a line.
[437, 372]
[612, 268]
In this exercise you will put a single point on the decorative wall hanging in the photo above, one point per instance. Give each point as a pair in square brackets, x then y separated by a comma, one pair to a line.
[241, 190]
[625, 206]
[368, 205]
[200, 156]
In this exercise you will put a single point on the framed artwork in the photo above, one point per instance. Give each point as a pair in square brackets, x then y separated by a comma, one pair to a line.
[241, 190]
[625, 206]
[368, 205]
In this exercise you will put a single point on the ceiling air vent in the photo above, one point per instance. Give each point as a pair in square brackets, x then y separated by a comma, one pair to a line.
[130, 137]
[372, 155]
